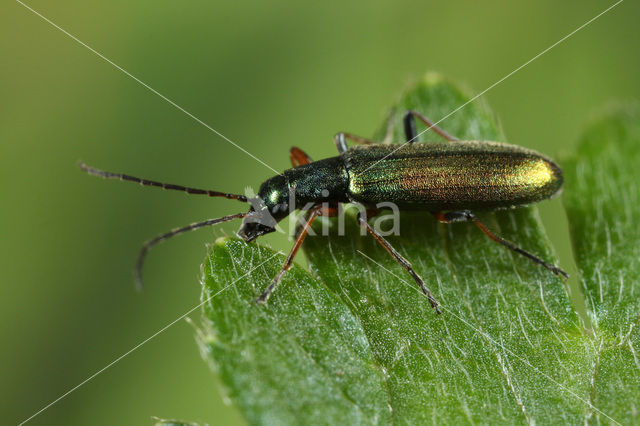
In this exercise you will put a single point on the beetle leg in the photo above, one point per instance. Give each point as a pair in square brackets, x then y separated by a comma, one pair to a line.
[401, 260]
[468, 216]
[341, 144]
[330, 210]
[289, 261]
[298, 157]
[410, 127]
[341, 140]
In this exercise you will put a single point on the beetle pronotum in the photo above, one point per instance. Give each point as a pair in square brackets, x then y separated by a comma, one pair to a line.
[449, 180]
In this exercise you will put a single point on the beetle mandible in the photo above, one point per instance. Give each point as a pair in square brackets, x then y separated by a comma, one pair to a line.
[450, 180]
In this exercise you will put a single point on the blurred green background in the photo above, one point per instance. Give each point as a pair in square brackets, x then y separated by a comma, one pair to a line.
[266, 74]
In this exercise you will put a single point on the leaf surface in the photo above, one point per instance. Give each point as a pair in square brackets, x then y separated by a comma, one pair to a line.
[602, 200]
[355, 342]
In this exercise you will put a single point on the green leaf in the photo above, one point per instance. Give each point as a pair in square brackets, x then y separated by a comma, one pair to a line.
[354, 341]
[303, 357]
[171, 422]
[602, 199]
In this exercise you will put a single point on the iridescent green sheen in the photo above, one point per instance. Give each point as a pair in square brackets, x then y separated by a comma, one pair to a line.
[307, 185]
[470, 175]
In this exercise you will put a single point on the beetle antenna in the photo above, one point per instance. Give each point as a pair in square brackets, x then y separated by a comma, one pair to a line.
[146, 182]
[160, 238]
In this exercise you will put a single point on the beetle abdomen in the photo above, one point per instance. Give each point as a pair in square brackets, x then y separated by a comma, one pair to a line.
[450, 176]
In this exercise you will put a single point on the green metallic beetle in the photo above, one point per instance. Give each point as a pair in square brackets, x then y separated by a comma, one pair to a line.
[450, 180]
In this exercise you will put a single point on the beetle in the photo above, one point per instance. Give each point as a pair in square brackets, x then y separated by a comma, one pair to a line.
[451, 180]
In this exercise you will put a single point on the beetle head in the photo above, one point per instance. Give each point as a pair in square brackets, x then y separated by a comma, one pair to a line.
[267, 209]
